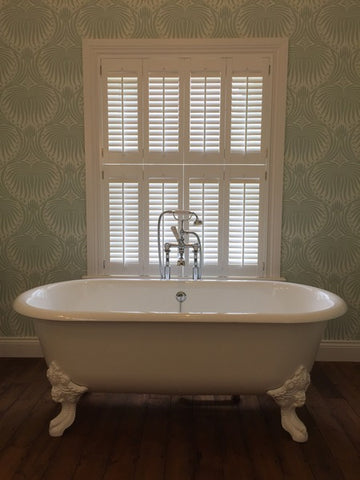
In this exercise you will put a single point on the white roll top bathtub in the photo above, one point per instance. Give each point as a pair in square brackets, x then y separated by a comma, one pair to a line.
[183, 337]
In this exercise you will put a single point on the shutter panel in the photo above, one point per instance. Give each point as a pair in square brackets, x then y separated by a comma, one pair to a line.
[246, 114]
[122, 114]
[244, 209]
[163, 195]
[204, 200]
[205, 113]
[124, 222]
[164, 98]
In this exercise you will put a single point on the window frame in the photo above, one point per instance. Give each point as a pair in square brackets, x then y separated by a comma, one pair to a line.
[275, 49]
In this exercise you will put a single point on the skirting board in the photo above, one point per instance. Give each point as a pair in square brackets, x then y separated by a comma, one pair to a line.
[20, 347]
[339, 351]
[330, 350]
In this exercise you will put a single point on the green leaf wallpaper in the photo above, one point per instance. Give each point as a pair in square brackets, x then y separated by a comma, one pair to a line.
[42, 167]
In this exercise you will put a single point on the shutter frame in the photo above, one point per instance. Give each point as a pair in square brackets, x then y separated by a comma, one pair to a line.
[275, 51]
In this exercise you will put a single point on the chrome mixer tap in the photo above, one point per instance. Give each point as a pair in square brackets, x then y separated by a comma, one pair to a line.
[182, 243]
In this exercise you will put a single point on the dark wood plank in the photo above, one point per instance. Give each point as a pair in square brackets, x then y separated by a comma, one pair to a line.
[348, 385]
[15, 380]
[290, 454]
[334, 435]
[19, 398]
[317, 453]
[151, 461]
[126, 445]
[39, 456]
[208, 441]
[181, 450]
[265, 462]
[351, 371]
[74, 441]
[347, 419]
[7, 367]
[15, 454]
[236, 456]
[95, 454]
[323, 382]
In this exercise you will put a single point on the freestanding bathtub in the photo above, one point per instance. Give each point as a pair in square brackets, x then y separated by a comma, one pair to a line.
[180, 337]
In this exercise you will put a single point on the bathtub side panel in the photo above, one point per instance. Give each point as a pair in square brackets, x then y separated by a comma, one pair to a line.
[179, 358]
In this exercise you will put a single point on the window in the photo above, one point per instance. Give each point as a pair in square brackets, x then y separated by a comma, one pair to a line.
[184, 124]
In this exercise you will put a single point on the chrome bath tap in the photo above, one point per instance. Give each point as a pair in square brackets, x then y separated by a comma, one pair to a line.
[182, 243]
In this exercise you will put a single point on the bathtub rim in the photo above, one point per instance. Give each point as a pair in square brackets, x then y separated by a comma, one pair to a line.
[21, 305]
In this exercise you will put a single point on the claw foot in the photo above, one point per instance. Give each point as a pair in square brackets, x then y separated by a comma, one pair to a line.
[290, 396]
[67, 393]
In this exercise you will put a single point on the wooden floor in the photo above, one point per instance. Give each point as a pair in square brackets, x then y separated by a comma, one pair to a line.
[142, 437]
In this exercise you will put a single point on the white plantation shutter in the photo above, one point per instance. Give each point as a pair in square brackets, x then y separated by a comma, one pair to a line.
[164, 105]
[204, 200]
[164, 112]
[122, 114]
[205, 109]
[244, 210]
[162, 196]
[186, 125]
[124, 222]
[246, 114]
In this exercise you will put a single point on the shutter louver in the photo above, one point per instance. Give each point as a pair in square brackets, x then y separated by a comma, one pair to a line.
[163, 114]
[244, 204]
[122, 114]
[204, 200]
[124, 222]
[162, 196]
[205, 109]
[246, 114]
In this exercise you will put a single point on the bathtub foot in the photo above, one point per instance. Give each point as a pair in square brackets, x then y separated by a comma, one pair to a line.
[67, 393]
[290, 396]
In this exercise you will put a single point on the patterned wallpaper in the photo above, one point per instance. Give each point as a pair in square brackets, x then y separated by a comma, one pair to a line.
[42, 187]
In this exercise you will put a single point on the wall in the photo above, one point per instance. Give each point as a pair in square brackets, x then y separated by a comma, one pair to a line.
[42, 191]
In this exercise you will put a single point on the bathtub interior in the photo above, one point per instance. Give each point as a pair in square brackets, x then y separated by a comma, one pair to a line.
[206, 297]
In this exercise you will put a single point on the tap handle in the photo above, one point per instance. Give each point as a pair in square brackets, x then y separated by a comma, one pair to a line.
[175, 232]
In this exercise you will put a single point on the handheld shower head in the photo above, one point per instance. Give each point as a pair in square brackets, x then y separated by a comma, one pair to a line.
[186, 214]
